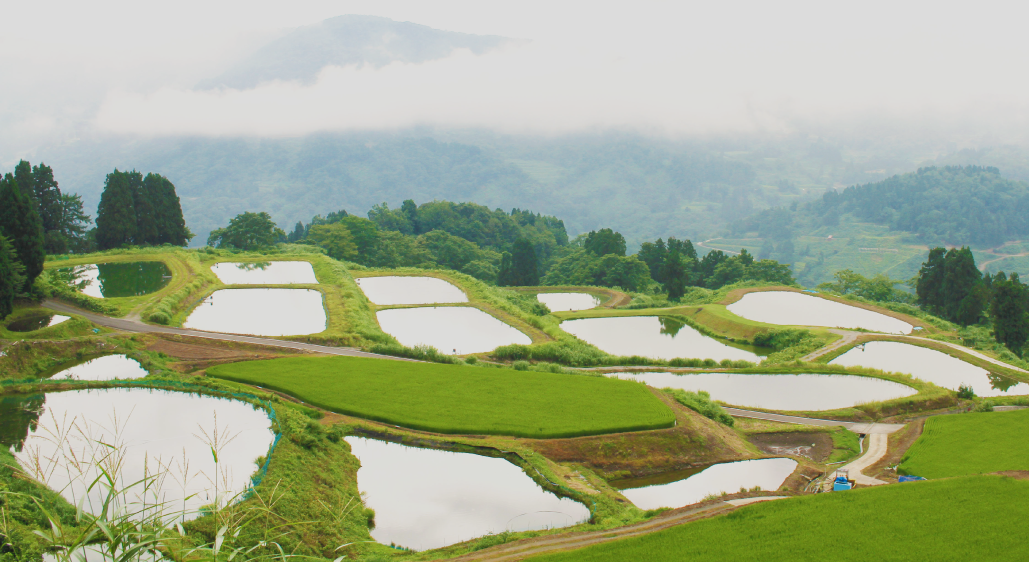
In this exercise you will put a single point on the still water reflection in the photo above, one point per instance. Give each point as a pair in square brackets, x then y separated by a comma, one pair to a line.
[929, 365]
[693, 487]
[426, 499]
[111, 280]
[655, 337]
[450, 329]
[794, 392]
[62, 439]
[797, 309]
[557, 302]
[265, 273]
[33, 323]
[260, 312]
[390, 289]
[108, 367]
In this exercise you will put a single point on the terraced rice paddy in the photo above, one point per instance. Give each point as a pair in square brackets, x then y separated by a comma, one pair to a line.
[558, 302]
[260, 312]
[265, 273]
[429, 499]
[967, 444]
[459, 399]
[654, 337]
[680, 489]
[56, 434]
[455, 330]
[390, 290]
[797, 309]
[797, 392]
[120, 279]
[931, 366]
[108, 367]
[940, 521]
[33, 323]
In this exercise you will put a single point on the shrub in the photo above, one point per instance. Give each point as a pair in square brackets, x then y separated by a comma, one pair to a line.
[966, 393]
[521, 365]
[701, 403]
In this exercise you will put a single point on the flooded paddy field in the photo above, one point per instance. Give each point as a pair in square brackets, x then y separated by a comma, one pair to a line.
[106, 368]
[655, 337]
[38, 322]
[452, 329]
[265, 273]
[391, 290]
[797, 309]
[558, 302]
[121, 279]
[260, 312]
[683, 488]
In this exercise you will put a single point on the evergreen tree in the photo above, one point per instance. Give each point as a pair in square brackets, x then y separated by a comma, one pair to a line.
[12, 276]
[298, 233]
[1009, 310]
[116, 215]
[654, 254]
[20, 222]
[929, 287]
[605, 241]
[675, 275]
[142, 205]
[410, 210]
[51, 211]
[961, 287]
[27, 184]
[525, 272]
[171, 226]
[247, 231]
[505, 276]
[73, 224]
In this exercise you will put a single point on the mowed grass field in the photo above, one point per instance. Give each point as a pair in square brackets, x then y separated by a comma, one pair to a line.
[972, 518]
[962, 444]
[459, 398]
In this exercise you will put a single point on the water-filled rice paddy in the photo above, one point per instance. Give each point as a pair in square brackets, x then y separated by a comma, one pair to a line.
[558, 302]
[654, 337]
[429, 499]
[151, 429]
[685, 488]
[391, 289]
[260, 312]
[798, 309]
[929, 365]
[32, 323]
[458, 398]
[265, 273]
[796, 392]
[108, 367]
[940, 520]
[120, 279]
[450, 329]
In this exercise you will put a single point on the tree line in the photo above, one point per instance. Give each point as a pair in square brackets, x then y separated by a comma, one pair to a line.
[37, 219]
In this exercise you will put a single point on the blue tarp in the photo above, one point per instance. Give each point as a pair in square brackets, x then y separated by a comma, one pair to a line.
[910, 478]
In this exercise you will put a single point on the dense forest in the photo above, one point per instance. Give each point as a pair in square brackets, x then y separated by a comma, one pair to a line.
[953, 205]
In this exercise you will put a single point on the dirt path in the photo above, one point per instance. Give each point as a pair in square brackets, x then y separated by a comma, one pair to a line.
[856, 427]
[847, 338]
[130, 325]
[877, 445]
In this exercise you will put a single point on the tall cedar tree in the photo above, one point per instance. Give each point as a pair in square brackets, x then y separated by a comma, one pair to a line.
[27, 184]
[654, 254]
[116, 215]
[12, 276]
[525, 272]
[146, 219]
[20, 222]
[51, 209]
[505, 276]
[929, 287]
[675, 274]
[171, 226]
[961, 287]
[1008, 310]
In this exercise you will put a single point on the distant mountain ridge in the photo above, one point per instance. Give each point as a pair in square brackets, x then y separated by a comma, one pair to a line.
[348, 40]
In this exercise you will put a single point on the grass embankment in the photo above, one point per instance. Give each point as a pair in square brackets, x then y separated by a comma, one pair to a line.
[962, 444]
[74, 327]
[459, 399]
[974, 518]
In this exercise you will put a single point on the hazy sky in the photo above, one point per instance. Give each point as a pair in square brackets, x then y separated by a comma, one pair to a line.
[663, 67]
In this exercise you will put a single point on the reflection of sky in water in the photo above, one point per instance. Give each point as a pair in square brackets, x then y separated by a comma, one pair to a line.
[769, 474]
[155, 428]
[929, 365]
[122, 279]
[650, 336]
[265, 273]
[390, 289]
[796, 309]
[780, 392]
[568, 301]
[108, 367]
[260, 312]
[428, 499]
[450, 329]
[36, 322]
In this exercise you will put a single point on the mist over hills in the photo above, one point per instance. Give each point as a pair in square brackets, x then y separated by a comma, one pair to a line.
[348, 40]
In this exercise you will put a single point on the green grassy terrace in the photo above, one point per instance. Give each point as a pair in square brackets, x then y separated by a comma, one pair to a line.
[969, 444]
[457, 398]
[973, 518]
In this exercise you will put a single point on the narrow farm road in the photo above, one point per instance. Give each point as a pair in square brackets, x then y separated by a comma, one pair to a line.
[134, 325]
[847, 338]
[856, 427]
[876, 450]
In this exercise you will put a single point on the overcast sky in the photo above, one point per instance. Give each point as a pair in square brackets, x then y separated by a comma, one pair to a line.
[676, 68]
